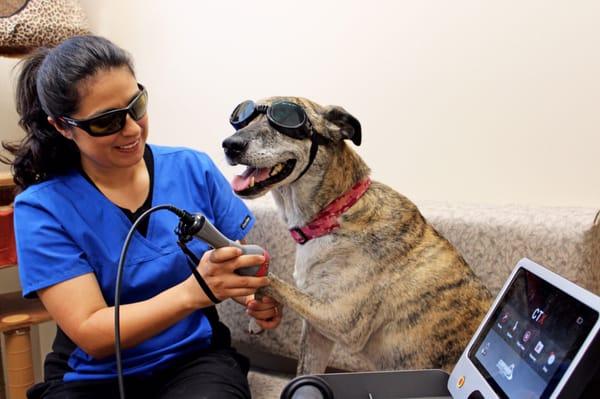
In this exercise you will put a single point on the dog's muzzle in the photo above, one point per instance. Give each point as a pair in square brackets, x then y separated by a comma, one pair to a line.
[234, 146]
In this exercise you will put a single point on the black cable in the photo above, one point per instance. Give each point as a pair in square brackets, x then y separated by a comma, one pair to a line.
[119, 279]
[193, 263]
[315, 140]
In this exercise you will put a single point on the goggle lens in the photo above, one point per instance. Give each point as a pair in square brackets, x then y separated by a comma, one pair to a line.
[139, 106]
[287, 114]
[242, 114]
[113, 121]
[107, 124]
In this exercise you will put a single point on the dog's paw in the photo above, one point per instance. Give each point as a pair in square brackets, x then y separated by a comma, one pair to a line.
[254, 328]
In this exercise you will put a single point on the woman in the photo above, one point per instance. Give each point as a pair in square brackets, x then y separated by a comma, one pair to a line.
[86, 173]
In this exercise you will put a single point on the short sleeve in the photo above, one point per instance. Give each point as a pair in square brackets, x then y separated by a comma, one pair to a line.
[46, 253]
[232, 216]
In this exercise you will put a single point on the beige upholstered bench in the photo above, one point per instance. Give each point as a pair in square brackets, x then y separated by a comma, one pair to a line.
[491, 238]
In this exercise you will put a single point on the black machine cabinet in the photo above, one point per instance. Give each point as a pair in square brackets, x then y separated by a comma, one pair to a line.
[422, 384]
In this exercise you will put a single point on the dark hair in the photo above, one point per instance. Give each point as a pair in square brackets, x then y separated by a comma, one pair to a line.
[48, 86]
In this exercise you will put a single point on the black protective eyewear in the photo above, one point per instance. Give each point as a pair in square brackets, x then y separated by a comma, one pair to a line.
[287, 117]
[111, 122]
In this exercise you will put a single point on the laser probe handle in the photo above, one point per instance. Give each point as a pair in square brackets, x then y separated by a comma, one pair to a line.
[208, 233]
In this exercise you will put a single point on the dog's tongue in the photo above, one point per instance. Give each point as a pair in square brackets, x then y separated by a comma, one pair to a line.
[242, 182]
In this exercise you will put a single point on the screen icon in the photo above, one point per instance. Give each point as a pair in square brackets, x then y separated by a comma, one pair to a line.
[551, 358]
[539, 347]
[505, 370]
[486, 347]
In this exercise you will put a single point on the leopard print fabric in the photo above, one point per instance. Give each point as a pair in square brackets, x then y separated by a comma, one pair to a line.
[37, 23]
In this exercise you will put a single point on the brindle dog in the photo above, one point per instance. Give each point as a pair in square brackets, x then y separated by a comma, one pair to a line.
[384, 284]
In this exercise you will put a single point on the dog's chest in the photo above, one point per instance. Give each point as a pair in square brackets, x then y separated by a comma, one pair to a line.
[301, 271]
[307, 260]
[314, 266]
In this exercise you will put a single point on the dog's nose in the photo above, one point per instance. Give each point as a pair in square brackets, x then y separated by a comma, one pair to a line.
[234, 146]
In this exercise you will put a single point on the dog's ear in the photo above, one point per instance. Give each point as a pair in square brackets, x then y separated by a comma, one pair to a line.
[349, 126]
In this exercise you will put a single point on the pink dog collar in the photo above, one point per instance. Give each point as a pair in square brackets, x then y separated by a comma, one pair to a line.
[327, 220]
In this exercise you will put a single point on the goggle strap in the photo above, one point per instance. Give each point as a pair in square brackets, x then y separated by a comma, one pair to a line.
[314, 147]
[262, 108]
[67, 121]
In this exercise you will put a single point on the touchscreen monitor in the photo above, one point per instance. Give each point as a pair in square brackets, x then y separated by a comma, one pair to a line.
[531, 338]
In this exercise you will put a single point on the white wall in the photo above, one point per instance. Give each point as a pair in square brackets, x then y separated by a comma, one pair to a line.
[471, 101]
[8, 116]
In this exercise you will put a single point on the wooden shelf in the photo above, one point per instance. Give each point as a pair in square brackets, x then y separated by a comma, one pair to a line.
[13, 303]
[7, 189]
[6, 179]
[7, 249]
[7, 241]
[17, 314]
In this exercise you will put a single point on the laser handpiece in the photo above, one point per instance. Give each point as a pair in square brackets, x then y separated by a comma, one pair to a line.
[200, 227]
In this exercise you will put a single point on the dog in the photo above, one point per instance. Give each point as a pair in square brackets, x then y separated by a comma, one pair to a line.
[372, 274]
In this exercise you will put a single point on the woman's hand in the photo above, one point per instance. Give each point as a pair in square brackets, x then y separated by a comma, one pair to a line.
[267, 312]
[217, 267]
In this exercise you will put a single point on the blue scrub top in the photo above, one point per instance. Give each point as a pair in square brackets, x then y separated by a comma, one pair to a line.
[65, 228]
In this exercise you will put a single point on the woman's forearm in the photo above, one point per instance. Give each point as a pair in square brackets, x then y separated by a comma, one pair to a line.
[138, 321]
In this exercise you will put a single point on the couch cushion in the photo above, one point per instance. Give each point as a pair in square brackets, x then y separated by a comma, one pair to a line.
[492, 239]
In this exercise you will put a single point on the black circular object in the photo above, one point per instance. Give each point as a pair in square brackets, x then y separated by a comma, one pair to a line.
[307, 387]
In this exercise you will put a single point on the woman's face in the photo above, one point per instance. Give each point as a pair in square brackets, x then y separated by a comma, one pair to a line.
[108, 89]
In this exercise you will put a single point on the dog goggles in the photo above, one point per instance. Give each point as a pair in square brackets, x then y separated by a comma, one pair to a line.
[287, 117]
[111, 122]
